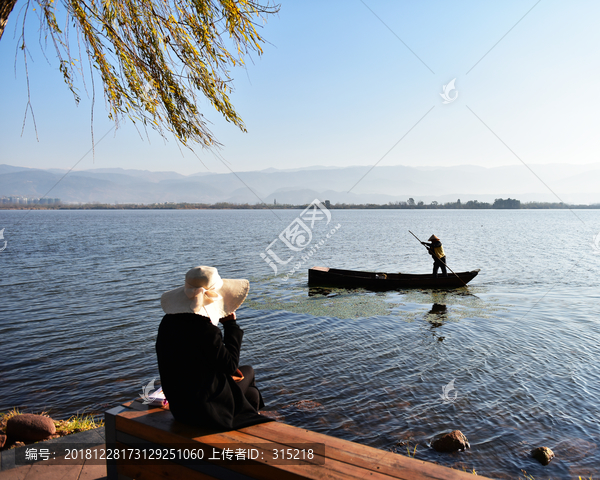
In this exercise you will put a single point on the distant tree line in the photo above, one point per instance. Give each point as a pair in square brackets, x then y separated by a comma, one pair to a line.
[499, 203]
[471, 204]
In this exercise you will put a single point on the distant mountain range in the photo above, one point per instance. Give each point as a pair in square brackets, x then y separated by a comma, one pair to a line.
[356, 184]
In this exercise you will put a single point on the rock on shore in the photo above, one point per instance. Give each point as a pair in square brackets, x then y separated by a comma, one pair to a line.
[30, 427]
[451, 442]
[543, 455]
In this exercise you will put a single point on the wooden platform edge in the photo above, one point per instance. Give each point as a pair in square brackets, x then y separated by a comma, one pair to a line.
[131, 423]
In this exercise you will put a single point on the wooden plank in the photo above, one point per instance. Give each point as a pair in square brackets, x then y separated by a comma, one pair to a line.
[172, 469]
[160, 472]
[264, 471]
[202, 470]
[351, 460]
[369, 458]
[146, 429]
[167, 429]
[159, 469]
[177, 472]
[332, 469]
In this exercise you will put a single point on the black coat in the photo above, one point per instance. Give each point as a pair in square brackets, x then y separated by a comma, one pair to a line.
[195, 365]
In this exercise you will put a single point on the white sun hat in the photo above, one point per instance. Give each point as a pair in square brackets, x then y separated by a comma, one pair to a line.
[206, 293]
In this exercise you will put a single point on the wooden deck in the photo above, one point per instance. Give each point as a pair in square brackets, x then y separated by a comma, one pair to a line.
[134, 424]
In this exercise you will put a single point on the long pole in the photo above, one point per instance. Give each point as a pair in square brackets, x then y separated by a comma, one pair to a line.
[438, 259]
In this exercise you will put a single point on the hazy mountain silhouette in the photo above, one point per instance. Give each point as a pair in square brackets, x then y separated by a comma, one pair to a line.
[355, 184]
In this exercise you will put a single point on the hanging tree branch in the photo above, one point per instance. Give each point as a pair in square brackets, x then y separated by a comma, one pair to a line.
[155, 56]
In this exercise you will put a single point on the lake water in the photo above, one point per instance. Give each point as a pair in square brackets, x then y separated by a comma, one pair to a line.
[80, 310]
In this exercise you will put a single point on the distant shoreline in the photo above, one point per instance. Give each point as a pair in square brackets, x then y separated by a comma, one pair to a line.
[471, 205]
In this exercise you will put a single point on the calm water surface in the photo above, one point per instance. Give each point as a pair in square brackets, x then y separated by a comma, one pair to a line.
[80, 311]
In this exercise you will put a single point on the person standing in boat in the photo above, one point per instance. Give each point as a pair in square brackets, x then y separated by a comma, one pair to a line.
[436, 250]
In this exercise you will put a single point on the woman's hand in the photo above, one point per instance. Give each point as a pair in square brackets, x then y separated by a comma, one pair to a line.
[231, 316]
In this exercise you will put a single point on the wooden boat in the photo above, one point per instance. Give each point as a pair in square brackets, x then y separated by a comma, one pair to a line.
[333, 277]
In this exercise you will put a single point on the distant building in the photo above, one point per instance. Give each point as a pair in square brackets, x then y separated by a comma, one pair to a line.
[19, 200]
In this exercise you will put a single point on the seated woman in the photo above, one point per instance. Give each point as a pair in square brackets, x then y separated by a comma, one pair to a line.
[198, 366]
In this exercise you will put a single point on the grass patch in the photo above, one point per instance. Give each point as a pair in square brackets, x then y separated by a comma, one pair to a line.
[408, 446]
[76, 424]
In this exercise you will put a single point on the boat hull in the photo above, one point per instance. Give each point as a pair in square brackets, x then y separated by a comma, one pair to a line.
[333, 277]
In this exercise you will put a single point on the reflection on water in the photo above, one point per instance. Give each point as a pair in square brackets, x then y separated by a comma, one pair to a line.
[323, 291]
[80, 312]
[436, 317]
[438, 311]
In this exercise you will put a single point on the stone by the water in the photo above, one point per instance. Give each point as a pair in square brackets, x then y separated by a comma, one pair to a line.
[30, 427]
[543, 455]
[451, 442]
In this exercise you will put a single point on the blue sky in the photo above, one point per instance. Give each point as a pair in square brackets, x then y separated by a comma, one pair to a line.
[337, 87]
